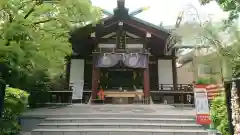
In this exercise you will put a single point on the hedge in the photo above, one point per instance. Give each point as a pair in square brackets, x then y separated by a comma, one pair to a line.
[15, 102]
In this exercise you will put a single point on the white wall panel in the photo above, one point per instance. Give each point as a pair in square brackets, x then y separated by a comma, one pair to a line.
[77, 77]
[134, 46]
[107, 45]
[165, 75]
[77, 70]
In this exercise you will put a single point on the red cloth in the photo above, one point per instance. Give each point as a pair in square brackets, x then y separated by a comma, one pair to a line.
[101, 94]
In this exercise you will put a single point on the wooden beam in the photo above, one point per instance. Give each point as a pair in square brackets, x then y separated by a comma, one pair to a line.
[128, 41]
[111, 35]
[89, 57]
[120, 36]
[109, 20]
[105, 30]
[143, 27]
[174, 70]
[166, 57]
[131, 35]
[128, 34]
[134, 31]
[95, 79]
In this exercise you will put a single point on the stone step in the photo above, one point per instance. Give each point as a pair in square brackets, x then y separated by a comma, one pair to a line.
[113, 131]
[112, 115]
[119, 120]
[118, 125]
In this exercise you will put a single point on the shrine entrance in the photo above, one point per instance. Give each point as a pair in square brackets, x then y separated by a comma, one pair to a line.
[120, 76]
[121, 79]
[121, 85]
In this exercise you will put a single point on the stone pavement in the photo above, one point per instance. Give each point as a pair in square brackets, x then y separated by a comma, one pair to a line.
[76, 109]
[25, 133]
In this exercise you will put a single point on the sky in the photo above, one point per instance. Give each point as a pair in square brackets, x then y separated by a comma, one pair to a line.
[166, 11]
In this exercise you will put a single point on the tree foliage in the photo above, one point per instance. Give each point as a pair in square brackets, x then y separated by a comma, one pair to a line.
[219, 114]
[233, 6]
[34, 35]
[223, 43]
[34, 40]
[15, 103]
[226, 44]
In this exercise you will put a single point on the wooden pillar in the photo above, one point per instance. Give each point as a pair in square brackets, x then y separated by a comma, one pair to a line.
[95, 79]
[68, 69]
[146, 83]
[174, 74]
[146, 86]
[174, 71]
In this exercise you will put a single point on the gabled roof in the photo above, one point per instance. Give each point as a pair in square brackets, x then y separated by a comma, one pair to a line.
[83, 42]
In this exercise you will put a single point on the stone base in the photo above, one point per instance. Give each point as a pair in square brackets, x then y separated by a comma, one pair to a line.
[76, 100]
[168, 99]
[121, 100]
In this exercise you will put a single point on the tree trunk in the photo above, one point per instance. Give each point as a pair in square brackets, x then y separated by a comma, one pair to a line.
[2, 95]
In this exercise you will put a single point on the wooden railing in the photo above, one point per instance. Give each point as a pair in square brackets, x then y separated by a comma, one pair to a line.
[158, 87]
[144, 100]
[66, 96]
[181, 94]
[180, 87]
[56, 97]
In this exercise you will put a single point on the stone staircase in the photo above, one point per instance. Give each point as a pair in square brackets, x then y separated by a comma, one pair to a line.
[119, 124]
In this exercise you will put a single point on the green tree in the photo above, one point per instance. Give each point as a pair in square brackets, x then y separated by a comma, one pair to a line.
[224, 46]
[233, 6]
[34, 34]
[226, 43]
[34, 41]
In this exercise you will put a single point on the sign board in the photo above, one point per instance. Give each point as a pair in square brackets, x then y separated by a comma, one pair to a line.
[201, 105]
[213, 91]
[77, 90]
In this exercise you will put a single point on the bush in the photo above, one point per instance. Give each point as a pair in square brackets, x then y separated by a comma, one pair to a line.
[206, 80]
[219, 114]
[15, 103]
[36, 83]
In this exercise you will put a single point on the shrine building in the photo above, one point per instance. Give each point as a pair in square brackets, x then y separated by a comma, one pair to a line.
[130, 59]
